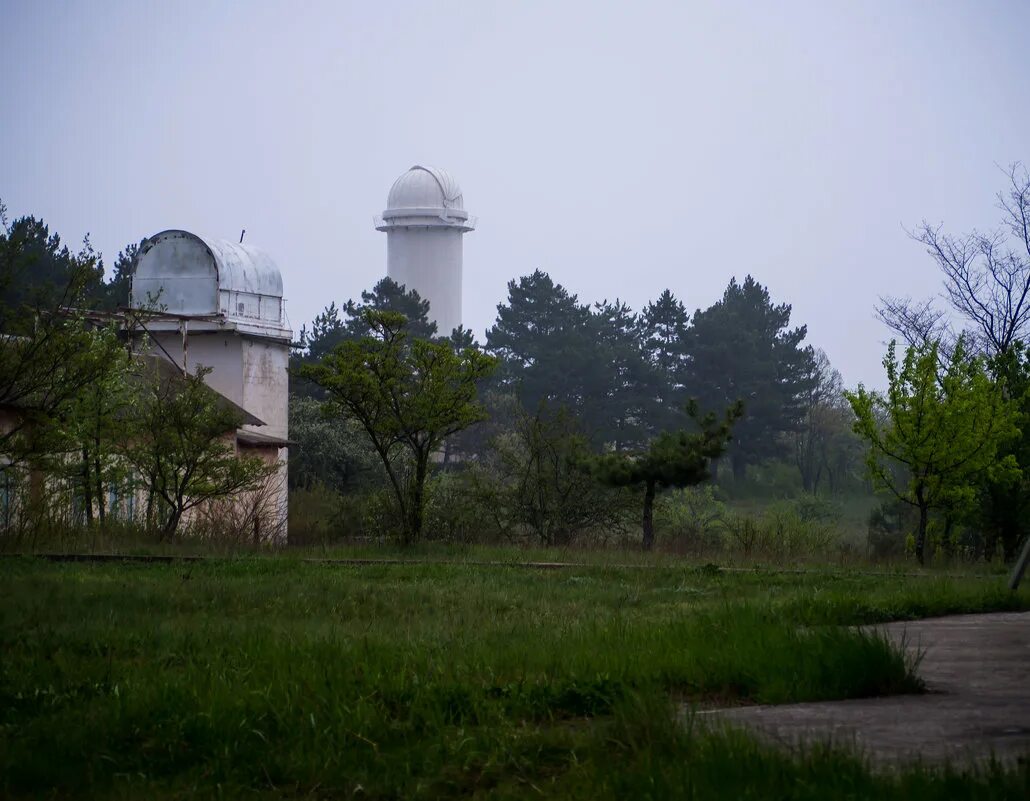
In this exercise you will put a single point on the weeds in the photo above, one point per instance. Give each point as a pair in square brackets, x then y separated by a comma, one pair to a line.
[271, 676]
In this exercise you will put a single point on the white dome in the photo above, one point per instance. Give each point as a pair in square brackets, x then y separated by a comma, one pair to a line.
[425, 188]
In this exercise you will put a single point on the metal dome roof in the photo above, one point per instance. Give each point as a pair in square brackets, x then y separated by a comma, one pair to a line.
[239, 267]
[425, 188]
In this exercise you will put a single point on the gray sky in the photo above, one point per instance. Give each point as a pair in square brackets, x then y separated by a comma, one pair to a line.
[622, 147]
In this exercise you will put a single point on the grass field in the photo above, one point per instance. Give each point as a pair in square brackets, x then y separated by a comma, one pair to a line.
[271, 677]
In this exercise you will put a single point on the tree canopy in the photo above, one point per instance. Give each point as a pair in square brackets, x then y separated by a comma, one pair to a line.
[741, 348]
[933, 436]
[408, 395]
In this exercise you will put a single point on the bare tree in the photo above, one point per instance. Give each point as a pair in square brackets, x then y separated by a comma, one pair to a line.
[986, 278]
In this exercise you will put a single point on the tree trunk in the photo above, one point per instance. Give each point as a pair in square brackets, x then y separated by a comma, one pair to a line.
[414, 533]
[100, 483]
[739, 466]
[171, 524]
[649, 516]
[924, 515]
[87, 488]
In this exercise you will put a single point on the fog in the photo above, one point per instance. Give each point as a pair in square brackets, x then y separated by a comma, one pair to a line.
[623, 148]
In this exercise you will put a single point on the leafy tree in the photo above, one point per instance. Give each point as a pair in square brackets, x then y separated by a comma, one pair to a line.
[180, 437]
[1005, 499]
[742, 349]
[86, 444]
[823, 443]
[329, 451]
[531, 479]
[943, 430]
[407, 394]
[673, 459]
[49, 350]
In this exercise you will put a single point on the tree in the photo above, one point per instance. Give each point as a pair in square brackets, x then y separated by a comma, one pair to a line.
[49, 350]
[531, 479]
[557, 353]
[821, 440]
[114, 294]
[742, 349]
[986, 279]
[408, 395]
[943, 430]
[334, 325]
[673, 459]
[180, 437]
[621, 387]
[328, 451]
[663, 328]
[1005, 501]
[542, 341]
[93, 423]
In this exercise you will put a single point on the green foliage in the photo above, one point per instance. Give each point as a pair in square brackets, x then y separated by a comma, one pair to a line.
[330, 328]
[673, 459]
[530, 481]
[408, 395]
[328, 451]
[1004, 509]
[273, 677]
[943, 429]
[691, 519]
[180, 437]
[663, 331]
[742, 349]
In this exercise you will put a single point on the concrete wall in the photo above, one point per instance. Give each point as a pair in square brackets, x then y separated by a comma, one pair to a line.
[429, 260]
[221, 351]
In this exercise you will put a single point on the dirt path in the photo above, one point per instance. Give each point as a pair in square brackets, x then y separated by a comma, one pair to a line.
[977, 668]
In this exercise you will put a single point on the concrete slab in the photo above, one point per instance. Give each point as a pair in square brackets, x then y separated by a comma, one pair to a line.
[977, 671]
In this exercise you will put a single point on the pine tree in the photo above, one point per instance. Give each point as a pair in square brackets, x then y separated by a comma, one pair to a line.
[742, 349]
[663, 328]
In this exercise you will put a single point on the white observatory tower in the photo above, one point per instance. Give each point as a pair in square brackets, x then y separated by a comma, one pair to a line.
[424, 221]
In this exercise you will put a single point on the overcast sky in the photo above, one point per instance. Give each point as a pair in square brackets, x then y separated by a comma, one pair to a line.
[622, 147]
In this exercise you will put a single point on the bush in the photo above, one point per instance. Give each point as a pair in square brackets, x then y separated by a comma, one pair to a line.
[690, 519]
[786, 530]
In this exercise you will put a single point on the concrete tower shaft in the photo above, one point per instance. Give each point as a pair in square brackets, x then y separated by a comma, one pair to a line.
[424, 222]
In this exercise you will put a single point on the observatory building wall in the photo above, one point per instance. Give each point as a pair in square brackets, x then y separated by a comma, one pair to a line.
[430, 261]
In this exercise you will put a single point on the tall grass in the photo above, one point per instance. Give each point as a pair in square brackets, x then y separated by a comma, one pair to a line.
[277, 677]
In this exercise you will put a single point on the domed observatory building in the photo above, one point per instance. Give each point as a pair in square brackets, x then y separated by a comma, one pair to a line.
[219, 304]
[424, 222]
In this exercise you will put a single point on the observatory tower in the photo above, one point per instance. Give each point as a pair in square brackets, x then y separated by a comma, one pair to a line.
[424, 221]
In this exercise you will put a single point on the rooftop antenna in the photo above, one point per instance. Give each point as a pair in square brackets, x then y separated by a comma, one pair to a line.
[241, 235]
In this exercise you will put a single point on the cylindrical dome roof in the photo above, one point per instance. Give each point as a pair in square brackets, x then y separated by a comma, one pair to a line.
[425, 188]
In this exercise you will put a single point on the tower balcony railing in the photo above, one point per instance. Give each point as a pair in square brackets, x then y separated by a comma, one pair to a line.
[381, 223]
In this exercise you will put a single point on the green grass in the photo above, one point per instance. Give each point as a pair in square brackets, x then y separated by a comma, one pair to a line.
[271, 677]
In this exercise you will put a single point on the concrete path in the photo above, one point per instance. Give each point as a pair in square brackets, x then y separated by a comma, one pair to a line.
[977, 671]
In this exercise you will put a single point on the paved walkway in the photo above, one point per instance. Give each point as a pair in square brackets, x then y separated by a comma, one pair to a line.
[977, 671]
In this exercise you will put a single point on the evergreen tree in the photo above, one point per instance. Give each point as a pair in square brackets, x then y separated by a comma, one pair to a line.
[663, 328]
[742, 349]
[542, 338]
[622, 386]
[335, 325]
[673, 459]
[114, 294]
